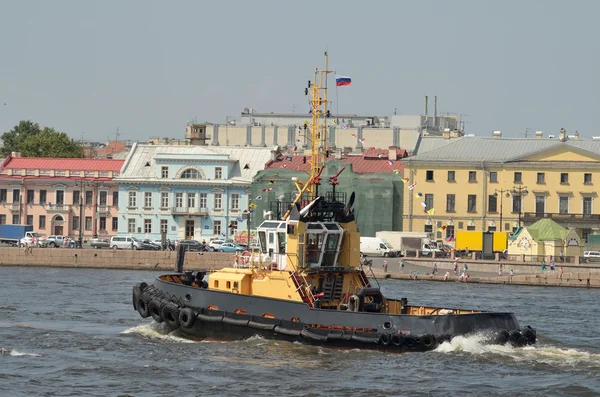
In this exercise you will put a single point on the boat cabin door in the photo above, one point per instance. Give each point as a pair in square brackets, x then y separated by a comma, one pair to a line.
[276, 248]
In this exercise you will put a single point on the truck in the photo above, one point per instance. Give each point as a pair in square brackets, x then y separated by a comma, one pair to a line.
[19, 235]
[486, 243]
[423, 244]
[377, 246]
[396, 238]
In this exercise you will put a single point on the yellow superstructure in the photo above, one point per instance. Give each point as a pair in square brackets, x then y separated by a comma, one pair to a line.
[496, 184]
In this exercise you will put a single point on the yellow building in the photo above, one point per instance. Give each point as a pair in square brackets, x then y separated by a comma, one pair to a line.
[497, 184]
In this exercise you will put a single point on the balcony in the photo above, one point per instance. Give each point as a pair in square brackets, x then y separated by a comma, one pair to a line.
[575, 218]
[57, 208]
[103, 209]
[189, 211]
[15, 207]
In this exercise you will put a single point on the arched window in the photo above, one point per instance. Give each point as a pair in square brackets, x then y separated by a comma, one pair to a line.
[190, 173]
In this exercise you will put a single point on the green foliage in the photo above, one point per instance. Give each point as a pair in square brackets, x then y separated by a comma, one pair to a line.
[32, 141]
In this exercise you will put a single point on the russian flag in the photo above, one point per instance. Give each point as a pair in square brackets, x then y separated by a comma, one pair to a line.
[342, 81]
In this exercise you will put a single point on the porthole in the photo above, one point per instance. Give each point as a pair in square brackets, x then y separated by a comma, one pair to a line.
[387, 325]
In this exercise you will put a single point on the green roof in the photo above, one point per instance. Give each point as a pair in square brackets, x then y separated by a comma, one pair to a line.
[547, 230]
[514, 235]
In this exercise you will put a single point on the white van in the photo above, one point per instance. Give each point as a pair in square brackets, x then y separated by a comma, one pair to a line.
[124, 243]
[377, 246]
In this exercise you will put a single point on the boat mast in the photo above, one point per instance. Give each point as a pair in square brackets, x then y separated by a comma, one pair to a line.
[316, 132]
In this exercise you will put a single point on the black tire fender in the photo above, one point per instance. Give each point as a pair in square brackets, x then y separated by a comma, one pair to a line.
[410, 341]
[397, 339]
[170, 314]
[385, 339]
[142, 308]
[187, 318]
[428, 340]
[155, 309]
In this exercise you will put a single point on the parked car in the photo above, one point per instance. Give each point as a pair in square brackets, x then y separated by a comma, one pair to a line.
[54, 241]
[166, 245]
[230, 247]
[124, 243]
[215, 244]
[591, 256]
[192, 245]
[99, 243]
[149, 245]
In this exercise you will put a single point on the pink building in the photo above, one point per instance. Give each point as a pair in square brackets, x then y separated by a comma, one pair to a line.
[60, 195]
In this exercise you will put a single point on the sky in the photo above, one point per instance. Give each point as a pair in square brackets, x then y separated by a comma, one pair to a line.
[146, 68]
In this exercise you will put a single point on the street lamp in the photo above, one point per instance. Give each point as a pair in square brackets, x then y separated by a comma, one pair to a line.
[519, 191]
[501, 191]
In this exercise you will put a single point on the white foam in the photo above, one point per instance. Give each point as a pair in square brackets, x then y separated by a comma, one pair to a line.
[157, 331]
[547, 354]
[15, 353]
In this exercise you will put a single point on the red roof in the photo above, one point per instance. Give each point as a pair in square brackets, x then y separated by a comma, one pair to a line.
[71, 164]
[360, 163]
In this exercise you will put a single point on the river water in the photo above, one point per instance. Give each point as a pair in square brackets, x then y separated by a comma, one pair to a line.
[73, 332]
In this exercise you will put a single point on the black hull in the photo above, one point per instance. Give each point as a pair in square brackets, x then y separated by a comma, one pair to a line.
[234, 316]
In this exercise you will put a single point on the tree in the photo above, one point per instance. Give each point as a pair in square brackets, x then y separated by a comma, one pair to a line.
[32, 141]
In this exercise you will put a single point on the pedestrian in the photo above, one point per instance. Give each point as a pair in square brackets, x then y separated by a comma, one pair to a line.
[416, 274]
[552, 264]
[543, 265]
[500, 270]
[455, 268]
[510, 275]
[401, 265]
[385, 265]
[362, 260]
[562, 257]
[561, 271]
[65, 243]
[26, 248]
[435, 268]
[467, 251]
[446, 276]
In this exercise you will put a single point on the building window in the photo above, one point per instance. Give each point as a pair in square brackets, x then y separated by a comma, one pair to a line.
[132, 203]
[450, 203]
[428, 229]
[179, 200]
[491, 228]
[516, 204]
[449, 231]
[218, 173]
[2, 219]
[30, 196]
[235, 201]
[164, 172]
[428, 201]
[472, 203]
[147, 225]
[218, 201]
[89, 197]
[30, 220]
[115, 199]
[88, 223]
[102, 223]
[43, 197]
[518, 177]
[190, 173]
[164, 200]
[16, 220]
[148, 200]
[164, 226]
[3, 195]
[233, 226]
[492, 203]
[470, 227]
[493, 176]
[75, 223]
[103, 197]
[217, 227]
[587, 179]
[451, 176]
[115, 223]
[16, 196]
[564, 178]
[429, 175]
[203, 200]
[472, 176]
[42, 222]
[131, 225]
[587, 206]
[540, 205]
[191, 200]
[541, 177]
[76, 197]
[563, 205]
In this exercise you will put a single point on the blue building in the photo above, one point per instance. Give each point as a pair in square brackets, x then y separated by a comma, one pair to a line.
[187, 192]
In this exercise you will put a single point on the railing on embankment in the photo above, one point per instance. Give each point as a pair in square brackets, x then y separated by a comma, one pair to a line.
[109, 259]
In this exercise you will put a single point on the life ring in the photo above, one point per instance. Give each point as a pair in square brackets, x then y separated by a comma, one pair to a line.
[187, 318]
[396, 339]
[428, 340]
[385, 339]
[245, 257]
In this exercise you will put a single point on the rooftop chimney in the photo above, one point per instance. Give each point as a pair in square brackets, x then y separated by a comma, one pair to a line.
[392, 154]
[576, 134]
[497, 134]
[273, 155]
[446, 133]
[338, 153]
[563, 135]
[539, 134]
[15, 155]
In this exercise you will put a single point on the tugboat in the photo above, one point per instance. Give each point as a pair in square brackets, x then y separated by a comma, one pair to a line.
[307, 284]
